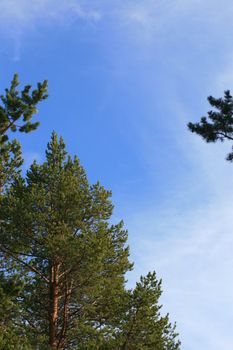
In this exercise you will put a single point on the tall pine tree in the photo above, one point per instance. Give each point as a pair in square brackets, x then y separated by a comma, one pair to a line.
[56, 230]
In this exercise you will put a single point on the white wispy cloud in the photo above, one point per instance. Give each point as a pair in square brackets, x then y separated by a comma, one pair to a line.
[29, 158]
[26, 12]
[145, 21]
[189, 244]
[20, 17]
[188, 236]
[224, 79]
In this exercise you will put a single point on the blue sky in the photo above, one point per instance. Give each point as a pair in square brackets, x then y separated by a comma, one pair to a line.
[125, 77]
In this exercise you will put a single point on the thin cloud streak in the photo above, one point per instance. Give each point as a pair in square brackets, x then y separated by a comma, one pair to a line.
[29, 158]
[18, 17]
[187, 238]
[24, 12]
[191, 249]
[145, 22]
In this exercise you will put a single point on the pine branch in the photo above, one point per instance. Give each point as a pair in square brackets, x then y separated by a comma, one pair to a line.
[31, 268]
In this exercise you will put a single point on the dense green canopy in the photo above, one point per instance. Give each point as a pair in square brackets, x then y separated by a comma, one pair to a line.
[62, 260]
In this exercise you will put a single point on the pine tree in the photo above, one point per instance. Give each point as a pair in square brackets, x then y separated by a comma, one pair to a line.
[57, 230]
[218, 125]
[142, 326]
[56, 225]
[16, 111]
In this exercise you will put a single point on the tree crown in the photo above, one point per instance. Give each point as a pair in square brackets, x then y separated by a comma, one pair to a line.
[218, 125]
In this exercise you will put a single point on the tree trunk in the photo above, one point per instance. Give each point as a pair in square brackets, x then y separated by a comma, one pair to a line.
[54, 300]
[65, 314]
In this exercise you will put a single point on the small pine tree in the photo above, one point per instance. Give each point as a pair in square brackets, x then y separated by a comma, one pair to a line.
[142, 326]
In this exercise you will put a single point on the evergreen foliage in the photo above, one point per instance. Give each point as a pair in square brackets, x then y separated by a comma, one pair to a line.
[55, 225]
[16, 111]
[142, 327]
[218, 125]
[62, 261]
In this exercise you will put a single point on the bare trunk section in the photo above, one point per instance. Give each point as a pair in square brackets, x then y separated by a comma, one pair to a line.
[65, 314]
[54, 301]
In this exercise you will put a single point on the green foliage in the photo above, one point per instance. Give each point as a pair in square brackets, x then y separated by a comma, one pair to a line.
[18, 106]
[55, 218]
[142, 326]
[16, 111]
[11, 288]
[62, 261]
[218, 125]
[57, 229]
